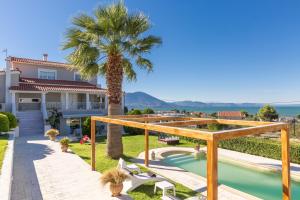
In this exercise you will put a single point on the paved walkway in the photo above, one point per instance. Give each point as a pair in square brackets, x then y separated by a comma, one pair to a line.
[42, 172]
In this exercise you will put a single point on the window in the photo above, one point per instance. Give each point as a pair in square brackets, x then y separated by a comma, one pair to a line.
[77, 77]
[29, 100]
[47, 74]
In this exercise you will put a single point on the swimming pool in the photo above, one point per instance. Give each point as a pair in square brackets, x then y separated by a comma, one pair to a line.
[265, 185]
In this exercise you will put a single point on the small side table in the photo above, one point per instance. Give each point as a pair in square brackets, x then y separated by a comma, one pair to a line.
[164, 185]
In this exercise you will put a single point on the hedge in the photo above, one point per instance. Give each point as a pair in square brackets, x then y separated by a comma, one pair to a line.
[4, 123]
[256, 146]
[13, 123]
[261, 147]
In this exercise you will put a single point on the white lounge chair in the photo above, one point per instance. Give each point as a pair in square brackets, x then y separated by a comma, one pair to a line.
[132, 167]
[137, 180]
[170, 197]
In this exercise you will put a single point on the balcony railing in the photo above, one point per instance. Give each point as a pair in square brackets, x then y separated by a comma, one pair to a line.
[97, 105]
[53, 105]
[75, 106]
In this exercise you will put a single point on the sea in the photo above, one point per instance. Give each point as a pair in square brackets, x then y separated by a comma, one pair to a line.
[283, 111]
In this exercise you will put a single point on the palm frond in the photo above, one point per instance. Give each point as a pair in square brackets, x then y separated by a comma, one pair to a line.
[144, 63]
[128, 70]
[137, 24]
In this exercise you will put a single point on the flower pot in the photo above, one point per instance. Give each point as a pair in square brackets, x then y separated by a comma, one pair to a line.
[116, 189]
[52, 137]
[64, 148]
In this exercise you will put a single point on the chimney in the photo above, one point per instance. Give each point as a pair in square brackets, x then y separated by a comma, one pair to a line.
[45, 57]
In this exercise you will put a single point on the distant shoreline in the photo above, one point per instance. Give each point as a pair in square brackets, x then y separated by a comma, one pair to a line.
[288, 110]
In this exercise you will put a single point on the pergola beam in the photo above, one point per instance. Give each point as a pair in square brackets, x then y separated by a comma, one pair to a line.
[235, 133]
[204, 135]
[188, 122]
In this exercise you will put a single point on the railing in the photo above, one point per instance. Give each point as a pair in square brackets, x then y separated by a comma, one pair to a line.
[53, 105]
[75, 106]
[97, 105]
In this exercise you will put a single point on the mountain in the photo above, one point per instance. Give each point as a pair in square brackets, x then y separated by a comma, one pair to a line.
[195, 104]
[142, 100]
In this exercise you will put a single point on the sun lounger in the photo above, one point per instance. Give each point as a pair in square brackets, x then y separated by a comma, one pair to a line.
[170, 197]
[136, 180]
[132, 167]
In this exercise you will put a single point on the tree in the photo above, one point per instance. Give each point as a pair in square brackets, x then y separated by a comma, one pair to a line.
[125, 109]
[148, 111]
[267, 113]
[110, 43]
[135, 112]
[245, 113]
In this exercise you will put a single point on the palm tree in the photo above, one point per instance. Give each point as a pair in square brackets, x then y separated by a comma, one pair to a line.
[110, 43]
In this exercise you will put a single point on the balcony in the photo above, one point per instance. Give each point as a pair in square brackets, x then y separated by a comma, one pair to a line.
[75, 106]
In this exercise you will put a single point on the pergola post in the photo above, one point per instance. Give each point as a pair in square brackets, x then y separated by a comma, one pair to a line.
[285, 153]
[93, 138]
[212, 169]
[146, 148]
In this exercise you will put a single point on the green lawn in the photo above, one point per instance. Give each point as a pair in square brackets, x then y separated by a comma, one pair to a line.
[133, 145]
[3, 145]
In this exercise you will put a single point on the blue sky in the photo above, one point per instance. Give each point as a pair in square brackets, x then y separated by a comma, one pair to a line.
[213, 51]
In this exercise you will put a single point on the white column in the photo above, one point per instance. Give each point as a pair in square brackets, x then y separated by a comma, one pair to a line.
[13, 103]
[43, 106]
[88, 103]
[8, 97]
[67, 101]
[106, 102]
[62, 101]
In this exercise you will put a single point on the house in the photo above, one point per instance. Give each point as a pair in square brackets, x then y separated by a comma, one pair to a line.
[31, 89]
[234, 115]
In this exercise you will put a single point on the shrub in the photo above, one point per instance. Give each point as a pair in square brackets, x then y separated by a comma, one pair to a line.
[4, 123]
[261, 147]
[135, 112]
[86, 127]
[13, 122]
[148, 111]
[215, 127]
[133, 131]
[113, 176]
[65, 141]
[52, 132]
[54, 118]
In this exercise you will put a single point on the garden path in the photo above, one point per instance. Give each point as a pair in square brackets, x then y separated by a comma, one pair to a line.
[42, 172]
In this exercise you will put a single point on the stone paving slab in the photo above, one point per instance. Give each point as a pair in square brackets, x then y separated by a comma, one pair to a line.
[42, 172]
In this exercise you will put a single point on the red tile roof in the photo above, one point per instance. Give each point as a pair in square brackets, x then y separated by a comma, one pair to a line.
[38, 62]
[230, 114]
[32, 84]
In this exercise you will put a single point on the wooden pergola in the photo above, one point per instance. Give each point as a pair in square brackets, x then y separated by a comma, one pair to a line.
[175, 126]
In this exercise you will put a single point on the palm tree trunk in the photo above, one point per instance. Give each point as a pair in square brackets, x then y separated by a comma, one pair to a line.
[114, 78]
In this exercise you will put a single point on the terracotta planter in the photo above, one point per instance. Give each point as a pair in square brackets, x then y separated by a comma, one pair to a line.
[64, 148]
[116, 189]
[52, 137]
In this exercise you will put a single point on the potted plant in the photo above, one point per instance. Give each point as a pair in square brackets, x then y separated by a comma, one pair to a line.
[116, 178]
[52, 133]
[197, 147]
[64, 144]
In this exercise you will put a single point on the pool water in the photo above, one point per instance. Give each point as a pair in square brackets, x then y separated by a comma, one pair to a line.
[265, 185]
